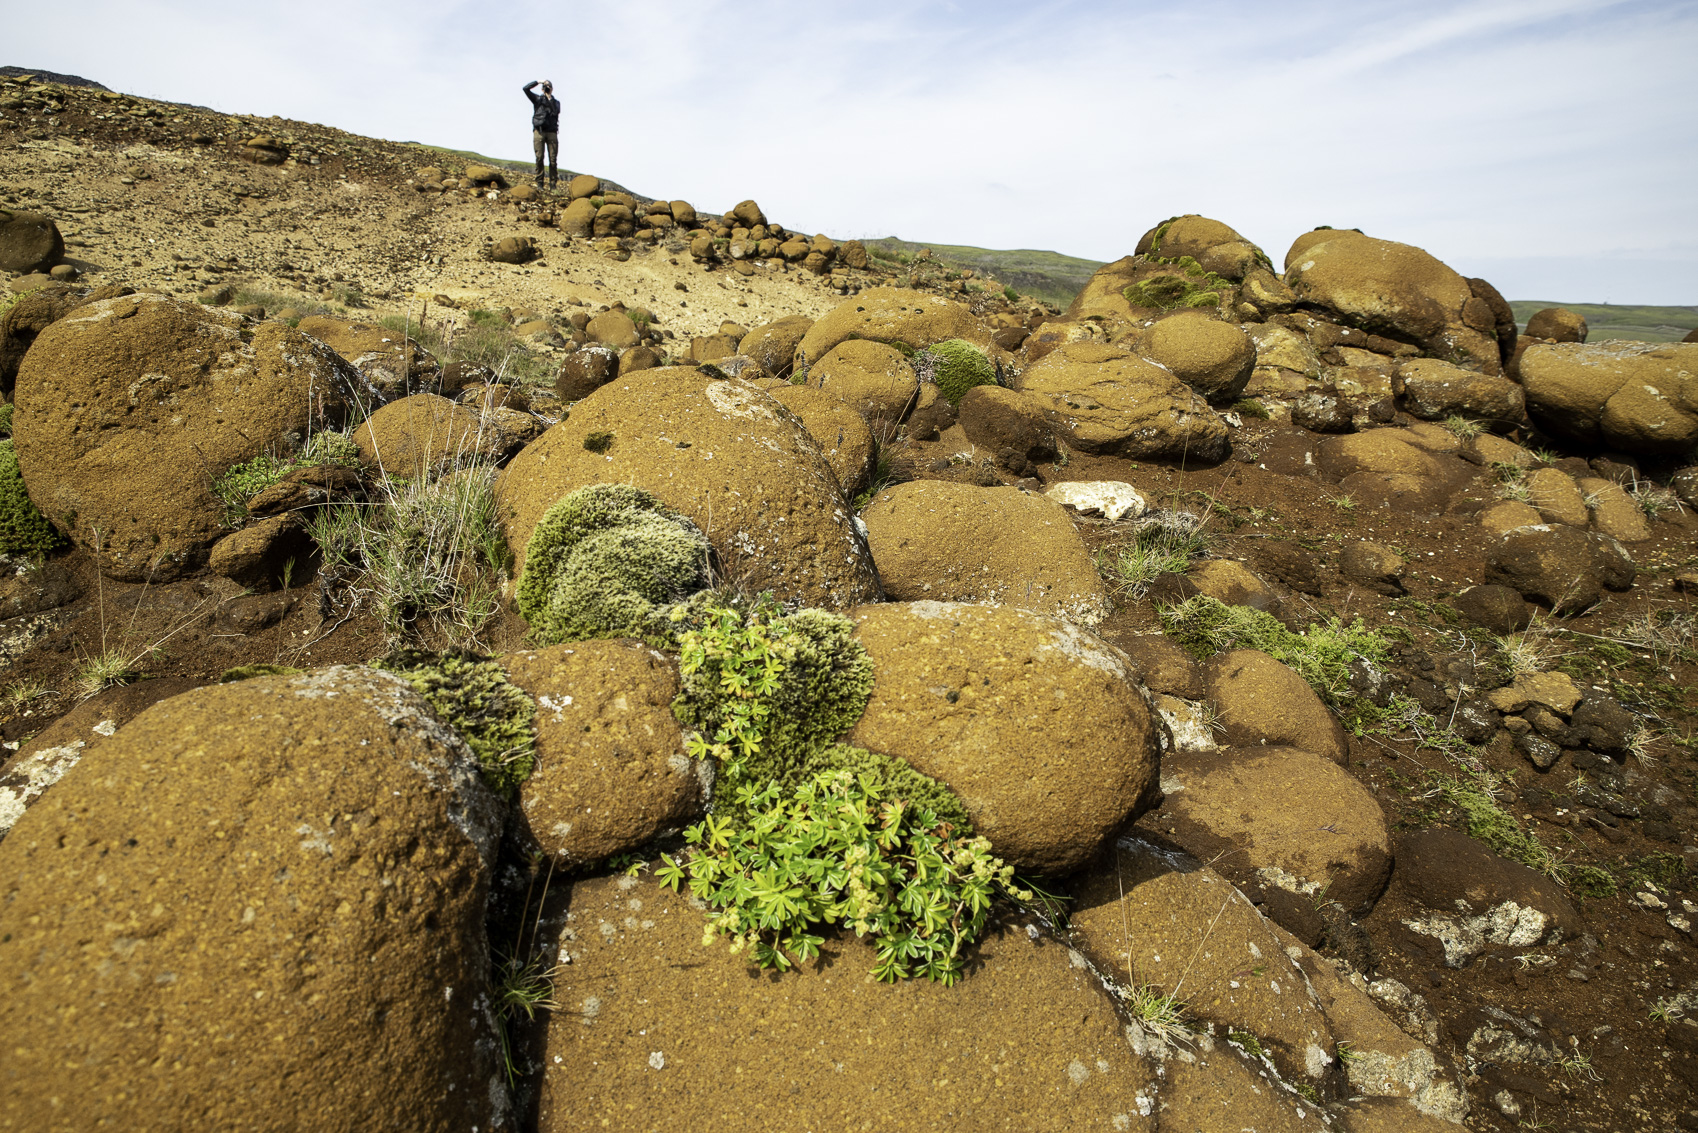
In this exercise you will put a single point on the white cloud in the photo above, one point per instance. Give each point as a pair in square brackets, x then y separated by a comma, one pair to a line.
[1504, 132]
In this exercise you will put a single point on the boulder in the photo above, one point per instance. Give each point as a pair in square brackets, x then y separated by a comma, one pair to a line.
[611, 770]
[1008, 423]
[1635, 397]
[1148, 916]
[1614, 512]
[391, 362]
[583, 186]
[748, 214]
[638, 358]
[1281, 818]
[260, 555]
[586, 370]
[29, 242]
[774, 344]
[612, 220]
[479, 174]
[1038, 726]
[1232, 583]
[419, 435]
[1499, 609]
[1434, 390]
[1376, 567]
[721, 452]
[1110, 402]
[840, 432]
[653, 1023]
[1388, 288]
[35, 312]
[1213, 358]
[873, 378]
[1470, 900]
[129, 408]
[1215, 246]
[613, 328]
[1391, 467]
[578, 218]
[514, 250]
[1562, 567]
[953, 542]
[1261, 702]
[1503, 317]
[683, 214]
[246, 970]
[1557, 497]
[1557, 324]
[888, 314]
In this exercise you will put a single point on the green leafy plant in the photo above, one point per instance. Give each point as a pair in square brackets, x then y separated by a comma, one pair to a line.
[1191, 286]
[23, 529]
[840, 850]
[242, 482]
[609, 560]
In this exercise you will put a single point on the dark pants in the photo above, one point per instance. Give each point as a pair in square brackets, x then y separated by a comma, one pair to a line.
[551, 142]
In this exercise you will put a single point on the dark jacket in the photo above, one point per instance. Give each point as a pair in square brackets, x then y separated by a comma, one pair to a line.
[545, 113]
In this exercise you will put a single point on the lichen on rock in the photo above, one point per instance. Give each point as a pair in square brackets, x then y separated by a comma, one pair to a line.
[472, 695]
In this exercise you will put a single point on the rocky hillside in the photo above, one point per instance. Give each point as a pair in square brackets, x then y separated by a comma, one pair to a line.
[539, 660]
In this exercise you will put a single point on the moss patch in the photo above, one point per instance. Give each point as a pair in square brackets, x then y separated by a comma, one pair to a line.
[608, 560]
[248, 672]
[1190, 286]
[956, 365]
[23, 529]
[472, 695]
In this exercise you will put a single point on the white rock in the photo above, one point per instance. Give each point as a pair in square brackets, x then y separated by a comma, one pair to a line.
[1111, 499]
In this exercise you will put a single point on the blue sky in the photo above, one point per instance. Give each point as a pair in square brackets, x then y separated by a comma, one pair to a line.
[1551, 147]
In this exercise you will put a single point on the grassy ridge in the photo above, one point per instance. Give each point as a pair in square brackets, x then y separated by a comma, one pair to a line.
[1049, 276]
[1618, 320]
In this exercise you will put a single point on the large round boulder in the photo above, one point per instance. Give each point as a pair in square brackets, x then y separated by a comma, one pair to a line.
[419, 435]
[1212, 357]
[392, 362]
[611, 769]
[1111, 402]
[1038, 726]
[888, 314]
[954, 542]
[130, 408]
[1635, 397]
[1261, 701]
[842, 434]
[721, 452]
[1217, 247]
[871, 376]
[29, 242]
[1557, 324]
[1011, 425]
[773, 345]
[258, 906]
[1282, 818]
[1395, 289]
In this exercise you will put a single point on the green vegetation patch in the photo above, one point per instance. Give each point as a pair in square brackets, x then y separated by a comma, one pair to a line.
[807, 832]
[609, 560]
[1161, 543]
[472, 695]
[6, 419]
[1490, 823]
[1619, 320]
[248, 672]
[1190, 287]
[242, 482]
[1322, 655]
[23, 529]
[956, 365]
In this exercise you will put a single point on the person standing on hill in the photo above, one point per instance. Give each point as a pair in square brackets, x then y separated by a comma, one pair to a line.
[545, 128]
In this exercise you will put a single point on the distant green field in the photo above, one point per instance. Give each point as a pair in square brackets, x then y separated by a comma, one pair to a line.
[1049, 276]
[1616, 320]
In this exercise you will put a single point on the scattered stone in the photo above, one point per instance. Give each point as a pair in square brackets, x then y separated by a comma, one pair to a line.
[1114, 500]
[1435, 390]
[1478, 899]
[1499, 609]
[29, 242]
[1263, 702]
[420, 434]
[259, 555]
[1555, 691]
[1008, 423]
[1614, 512]
[1378, 568]
[1565, 568]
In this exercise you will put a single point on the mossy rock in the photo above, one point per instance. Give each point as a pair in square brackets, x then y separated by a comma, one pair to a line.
[957, 366]
[472, 695]
[608, 560]
[23, 529]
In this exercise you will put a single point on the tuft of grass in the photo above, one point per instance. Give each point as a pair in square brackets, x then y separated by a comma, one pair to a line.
[427, 554]
[103, 670]
[1250, 407]
[1162, 543]
[1654, 500]
[19, 694]
[1160, 1013]
[1463, 428]
[1528, 652]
